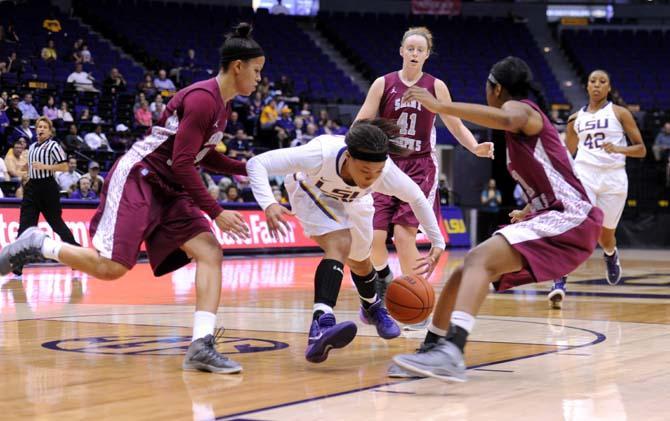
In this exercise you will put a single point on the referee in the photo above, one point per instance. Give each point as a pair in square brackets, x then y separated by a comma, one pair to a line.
[42, 192]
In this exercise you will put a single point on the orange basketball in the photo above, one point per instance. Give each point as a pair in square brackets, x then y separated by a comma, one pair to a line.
[410, 299]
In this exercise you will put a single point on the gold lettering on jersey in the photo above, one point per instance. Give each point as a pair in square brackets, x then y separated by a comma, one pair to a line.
[343, 195]
[398, 104]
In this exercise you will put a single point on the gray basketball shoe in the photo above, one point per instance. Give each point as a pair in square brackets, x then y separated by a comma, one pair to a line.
[444, 361]
[25, 249]
[203, 356]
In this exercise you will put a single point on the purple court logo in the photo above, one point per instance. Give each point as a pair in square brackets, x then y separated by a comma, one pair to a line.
[158, 345]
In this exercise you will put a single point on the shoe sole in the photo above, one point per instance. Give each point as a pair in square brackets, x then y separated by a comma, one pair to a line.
[427, 373]
[417, 326]
[556, 300]
[195, 366]
[334, 340]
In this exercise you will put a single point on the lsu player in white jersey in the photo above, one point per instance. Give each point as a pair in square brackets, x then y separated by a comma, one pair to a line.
[330, 181]
[597, 134]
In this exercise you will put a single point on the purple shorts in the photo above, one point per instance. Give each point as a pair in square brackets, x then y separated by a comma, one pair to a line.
[134, 209]
[390, 210]
[550, 257]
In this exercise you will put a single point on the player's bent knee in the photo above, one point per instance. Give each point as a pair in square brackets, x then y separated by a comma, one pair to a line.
[110, 270]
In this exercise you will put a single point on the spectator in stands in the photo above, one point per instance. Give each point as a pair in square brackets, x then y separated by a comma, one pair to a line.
[97, 140]
[331, 127]
[269, 115]
[64, 113]
[299, 125]
[24, 131]
[122, 138]
[70, 177]
[13, 112]
[27, 108]
[189, 61]
[215, 192]
[10, 34]
[279, 9]
[114, 83]
[15, 64]
[285, 85]
[491, 197]
[3, 69]
[283, 138]
[234, 124]
[4, 174]
[264, 87]
[233, 194]
[239, 147]
[16, 159]
[85, 53]
[519, 198]
[82, 81]
[83, 190]
[255, 109]
[75, 55]
[4, 120]
[661, 146]
[93, 175]
[323, 118]
[139, 99]
[286, 122]
[143, 115]
[147, 86]
[85, 116]
[49, 53]
[158, 106]
[309, 134]
[73, 142]
[306, 113]
[162, 83]
[49, 110]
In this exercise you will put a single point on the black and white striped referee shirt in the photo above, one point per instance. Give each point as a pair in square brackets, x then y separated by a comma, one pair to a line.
[49, 153]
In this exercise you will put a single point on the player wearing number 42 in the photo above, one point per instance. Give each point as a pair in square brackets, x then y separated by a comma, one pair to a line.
[597, 134]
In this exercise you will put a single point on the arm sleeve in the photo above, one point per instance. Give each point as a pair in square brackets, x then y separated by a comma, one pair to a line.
[285, 161]
[397, 183]
[219, 163]
[199, 109]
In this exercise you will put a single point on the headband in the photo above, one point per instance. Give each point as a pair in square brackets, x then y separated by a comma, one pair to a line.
[242, 54]
[493, 80]
[367, 156]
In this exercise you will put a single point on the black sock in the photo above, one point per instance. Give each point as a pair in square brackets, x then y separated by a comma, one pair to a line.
[366, 287]
[431, 338]
[458, 336]
[384, 272]
[327, 282]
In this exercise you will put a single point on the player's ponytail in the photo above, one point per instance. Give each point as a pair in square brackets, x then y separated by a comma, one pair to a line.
[515, 76]
[373, 139]
[239, 45]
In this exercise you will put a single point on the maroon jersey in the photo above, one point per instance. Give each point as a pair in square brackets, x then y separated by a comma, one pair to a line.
[540, 164]
[417, 124]
[185, 136]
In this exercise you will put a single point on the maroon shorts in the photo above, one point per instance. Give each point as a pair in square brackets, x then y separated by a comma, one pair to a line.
[134, 209]
[550, 257]
[390, 210]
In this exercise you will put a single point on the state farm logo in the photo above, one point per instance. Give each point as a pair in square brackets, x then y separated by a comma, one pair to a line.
[158, 345]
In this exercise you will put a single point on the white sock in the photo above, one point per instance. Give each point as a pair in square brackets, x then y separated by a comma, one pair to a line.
[436, 330]
[608, 253]
[463, 320]
[380, 267]
[203, 324]
[322, 307]
[51, 248]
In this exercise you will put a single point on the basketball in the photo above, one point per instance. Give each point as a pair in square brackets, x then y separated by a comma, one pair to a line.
[410, 299]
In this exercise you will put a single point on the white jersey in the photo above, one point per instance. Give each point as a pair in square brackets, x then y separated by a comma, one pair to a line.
[316, 166]
[595, 129]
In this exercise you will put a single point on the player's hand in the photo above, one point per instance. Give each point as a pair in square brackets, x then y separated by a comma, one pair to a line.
[518, 215]
[426, 264]
[611, 148]
[422, 95]
[485, 150]
[232, 223]
[274, 216]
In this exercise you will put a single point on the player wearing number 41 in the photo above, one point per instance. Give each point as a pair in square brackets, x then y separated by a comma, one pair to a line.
[597, 134]
[417, 128]
[329, 181]
[558, 234]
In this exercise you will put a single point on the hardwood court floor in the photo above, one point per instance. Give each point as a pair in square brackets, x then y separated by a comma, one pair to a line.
[89, 349]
